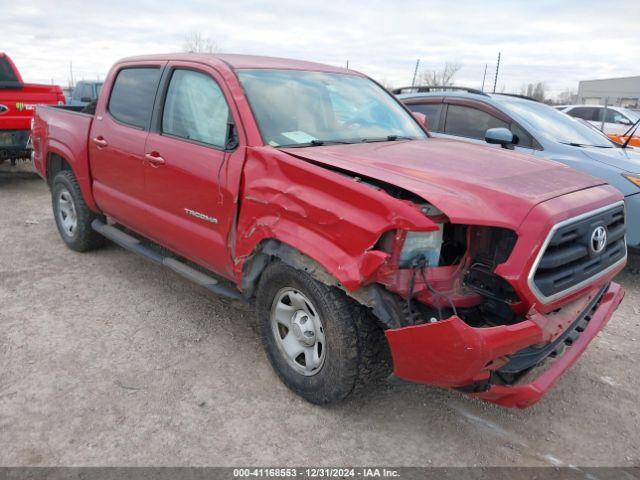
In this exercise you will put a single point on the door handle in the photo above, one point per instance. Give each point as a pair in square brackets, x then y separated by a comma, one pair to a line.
[154, 159]
[99, 141]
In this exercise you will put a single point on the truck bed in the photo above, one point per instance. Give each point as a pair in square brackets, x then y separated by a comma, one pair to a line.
[64, 130]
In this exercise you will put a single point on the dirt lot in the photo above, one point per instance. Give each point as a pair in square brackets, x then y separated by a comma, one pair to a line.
[106, 359]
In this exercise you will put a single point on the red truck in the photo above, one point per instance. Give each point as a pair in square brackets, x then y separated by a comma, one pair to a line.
[311, 190]
[17, 103]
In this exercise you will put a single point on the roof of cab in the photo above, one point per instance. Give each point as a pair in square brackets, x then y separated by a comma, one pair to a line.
[235, 61]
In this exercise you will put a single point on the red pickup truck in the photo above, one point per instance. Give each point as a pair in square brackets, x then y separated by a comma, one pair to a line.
[17, 102]
[312, 190]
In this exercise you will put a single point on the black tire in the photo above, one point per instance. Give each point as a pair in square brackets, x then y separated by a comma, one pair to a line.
[356, 349]
[83, 238]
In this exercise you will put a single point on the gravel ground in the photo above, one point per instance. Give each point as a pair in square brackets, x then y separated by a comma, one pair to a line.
[106, 359]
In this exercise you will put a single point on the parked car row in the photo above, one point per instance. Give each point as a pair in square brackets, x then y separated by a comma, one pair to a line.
[534, 128]
[315, 192]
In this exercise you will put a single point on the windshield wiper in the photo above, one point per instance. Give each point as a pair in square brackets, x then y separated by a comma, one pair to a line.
[316, 143]
[393, 138]
[388, 138]
[630, 133]
[319, 143]
[583, 145]
[574, 144]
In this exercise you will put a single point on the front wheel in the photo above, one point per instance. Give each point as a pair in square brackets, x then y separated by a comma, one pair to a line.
[73, 217]
[321, 343]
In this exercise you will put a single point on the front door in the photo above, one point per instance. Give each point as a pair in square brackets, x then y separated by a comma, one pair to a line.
[192, 178]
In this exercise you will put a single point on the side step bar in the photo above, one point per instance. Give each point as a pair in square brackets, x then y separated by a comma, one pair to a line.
[131, 243]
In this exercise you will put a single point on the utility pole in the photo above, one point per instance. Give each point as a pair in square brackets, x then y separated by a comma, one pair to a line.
[495, 80]
[483, 77]
[604, 113]
[71, 74]
[415, 73]
[347, 64]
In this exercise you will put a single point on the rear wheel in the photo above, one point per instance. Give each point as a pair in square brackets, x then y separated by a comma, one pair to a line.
[73, 217]
[321, 343]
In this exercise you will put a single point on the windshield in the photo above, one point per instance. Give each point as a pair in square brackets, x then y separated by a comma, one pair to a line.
[296, 108]
[631, 114]
[556, 125]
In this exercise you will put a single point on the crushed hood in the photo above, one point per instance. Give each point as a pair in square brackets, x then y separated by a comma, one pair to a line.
[472, 184]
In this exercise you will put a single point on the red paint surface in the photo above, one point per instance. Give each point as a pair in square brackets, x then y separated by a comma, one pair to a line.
[452, 354]
[29, 94]
[296, 196]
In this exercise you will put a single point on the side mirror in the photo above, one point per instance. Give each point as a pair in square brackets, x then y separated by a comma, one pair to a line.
[86, 99]
[500, 136]
[625, 121]
[421, 118]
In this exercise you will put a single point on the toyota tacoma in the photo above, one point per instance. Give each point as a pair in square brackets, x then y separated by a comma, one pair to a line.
[311, 191]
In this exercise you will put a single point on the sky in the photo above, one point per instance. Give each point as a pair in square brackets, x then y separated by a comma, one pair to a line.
[555, 42]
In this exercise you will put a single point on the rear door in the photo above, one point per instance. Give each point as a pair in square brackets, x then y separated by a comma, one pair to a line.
[191, 178]
[116, 143]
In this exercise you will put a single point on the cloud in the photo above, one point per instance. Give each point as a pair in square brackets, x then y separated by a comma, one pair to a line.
[558, 43]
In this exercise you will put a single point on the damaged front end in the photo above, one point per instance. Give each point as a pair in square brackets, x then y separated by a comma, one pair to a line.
[465, 327]
[474, 299]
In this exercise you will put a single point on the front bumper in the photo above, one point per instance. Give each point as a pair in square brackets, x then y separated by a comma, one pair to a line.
[452, 354]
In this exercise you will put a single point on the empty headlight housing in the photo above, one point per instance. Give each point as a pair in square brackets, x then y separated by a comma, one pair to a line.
[425, 244]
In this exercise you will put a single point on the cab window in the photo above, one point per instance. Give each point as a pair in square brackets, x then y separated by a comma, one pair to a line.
[6, 72]
[132, 96]
[195, 109]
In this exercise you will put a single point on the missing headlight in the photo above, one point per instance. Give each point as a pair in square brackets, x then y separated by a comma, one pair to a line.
[422, 244]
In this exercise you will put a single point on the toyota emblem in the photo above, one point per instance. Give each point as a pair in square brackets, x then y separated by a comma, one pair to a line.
[598, 239]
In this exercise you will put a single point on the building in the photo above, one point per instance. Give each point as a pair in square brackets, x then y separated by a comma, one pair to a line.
[619, 92]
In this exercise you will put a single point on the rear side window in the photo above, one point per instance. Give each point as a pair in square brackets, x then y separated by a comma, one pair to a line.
[470, 122]
[133, 94]
[6, 72]
[431, 111]
[195, 109]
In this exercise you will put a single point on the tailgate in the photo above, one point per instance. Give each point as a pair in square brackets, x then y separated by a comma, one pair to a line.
[17, 104]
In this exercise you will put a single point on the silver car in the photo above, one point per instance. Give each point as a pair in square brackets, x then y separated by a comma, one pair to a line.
[528, 126]
[617, 120]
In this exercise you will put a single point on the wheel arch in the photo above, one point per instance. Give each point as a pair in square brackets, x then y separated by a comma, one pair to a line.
[60, 158]
[382, 303]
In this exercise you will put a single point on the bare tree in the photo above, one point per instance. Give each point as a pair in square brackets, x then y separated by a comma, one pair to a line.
[440, 78]
[537, 91]
[567, 97]
[196, 43]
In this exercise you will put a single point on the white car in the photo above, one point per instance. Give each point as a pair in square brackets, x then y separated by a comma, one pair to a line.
[617, 120]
